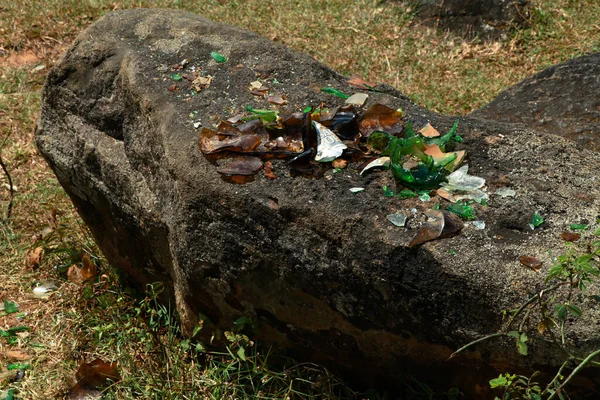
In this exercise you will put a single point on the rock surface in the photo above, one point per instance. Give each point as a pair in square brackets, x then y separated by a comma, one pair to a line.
[324, 273]
[563, 99]
[484, 18]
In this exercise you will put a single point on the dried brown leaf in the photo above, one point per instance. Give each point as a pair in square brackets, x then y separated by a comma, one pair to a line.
[17, 355]
[530, 262]
[570, 236]
[34, 257]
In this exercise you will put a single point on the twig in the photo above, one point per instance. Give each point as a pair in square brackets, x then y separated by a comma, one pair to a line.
[493, 335]
[575, 372]
[10, 183]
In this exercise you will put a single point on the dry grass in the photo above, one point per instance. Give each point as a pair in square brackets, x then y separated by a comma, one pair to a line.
[377, 40]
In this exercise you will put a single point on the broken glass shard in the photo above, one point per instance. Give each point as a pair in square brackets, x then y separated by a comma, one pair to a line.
[464, 211]
[357, 99]
[429, 131]
[536, 220]
[244, 165]
[440, 224]
[406, 194]
[381, 162]
[578, 227]
[478, 224]
[397, 219]
[381, 118]
[387, 192]
[329, 146]
[357, 189]
[461, 180]
[218, 57]
[505, 192]
[335, 92]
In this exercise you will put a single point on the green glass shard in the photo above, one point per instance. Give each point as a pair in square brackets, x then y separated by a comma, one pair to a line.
[537, 220]
[578, 227]
[218, 57]
[176, 77]
[307, 109]
[406, 194]
[387, 192]
[463, 210]
[264, 115]
[335, 92]
[442, 140]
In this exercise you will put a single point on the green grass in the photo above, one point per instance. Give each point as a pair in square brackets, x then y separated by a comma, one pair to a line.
[377, 40]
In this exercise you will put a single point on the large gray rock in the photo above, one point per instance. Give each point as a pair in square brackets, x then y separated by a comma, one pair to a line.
[327, 277]
[563, 99]
[483, 18]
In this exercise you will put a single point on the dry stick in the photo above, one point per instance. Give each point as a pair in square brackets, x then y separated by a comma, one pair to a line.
[10, 186]
[575, 372]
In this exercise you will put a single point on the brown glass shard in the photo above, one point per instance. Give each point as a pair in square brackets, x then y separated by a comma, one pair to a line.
[243, 165]
[380, 118]
[227, 138]
[439, 225]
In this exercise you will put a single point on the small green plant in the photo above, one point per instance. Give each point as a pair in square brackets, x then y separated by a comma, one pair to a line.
[555, 306]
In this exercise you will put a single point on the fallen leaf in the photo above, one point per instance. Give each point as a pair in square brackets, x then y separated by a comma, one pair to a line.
[201, 82]
[80, 275]
[339, 163]
[269, 170]
[360, 83]
[530, 262]
[33, 258]
[570, 236]
[89, 270]
[277, 100]
[92, 377]
[17, 355]
[173, 88]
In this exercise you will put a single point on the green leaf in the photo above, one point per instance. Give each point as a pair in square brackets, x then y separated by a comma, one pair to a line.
[500, 381]
[578, 227]
[537, 220]
[241, 353]
[561, 311]
[307, 110]
[218, 57]
[10, 307]
[10, 395]
[14, 366]
[574, 310]
[597, 232]
[535, 396]
[522, 347]
[335, 92]
[596, 297]
[514, 334]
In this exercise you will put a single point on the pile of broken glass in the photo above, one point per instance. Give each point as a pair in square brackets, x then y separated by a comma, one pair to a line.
[316, 138]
